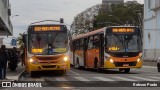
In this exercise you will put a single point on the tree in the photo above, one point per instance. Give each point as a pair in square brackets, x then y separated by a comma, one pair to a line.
[83, 22]
[99, 16]
[20, 41]
[128, 13]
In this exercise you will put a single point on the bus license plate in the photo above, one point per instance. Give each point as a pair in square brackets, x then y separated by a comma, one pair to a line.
[125, 65]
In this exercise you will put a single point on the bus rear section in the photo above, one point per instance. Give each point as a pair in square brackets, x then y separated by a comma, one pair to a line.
[47, 48]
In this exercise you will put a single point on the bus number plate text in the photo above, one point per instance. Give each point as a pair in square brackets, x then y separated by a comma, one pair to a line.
[125, 65]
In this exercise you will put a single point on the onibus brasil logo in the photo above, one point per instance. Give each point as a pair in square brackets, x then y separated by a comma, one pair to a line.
[21, 84]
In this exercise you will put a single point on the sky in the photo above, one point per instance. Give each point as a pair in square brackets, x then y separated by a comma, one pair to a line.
[30, 11]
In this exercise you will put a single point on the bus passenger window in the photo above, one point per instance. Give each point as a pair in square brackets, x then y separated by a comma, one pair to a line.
[96, 42]
[90, 43]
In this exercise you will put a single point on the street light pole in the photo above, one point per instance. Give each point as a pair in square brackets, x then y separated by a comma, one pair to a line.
[116, 18]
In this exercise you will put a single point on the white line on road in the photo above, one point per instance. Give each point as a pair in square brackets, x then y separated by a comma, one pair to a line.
[74, 72]
[126, 79]
[61, 79]
[81, 79]
[39, 79]
[145, 79]
[155, 77]
[149, 67]
[103, 79]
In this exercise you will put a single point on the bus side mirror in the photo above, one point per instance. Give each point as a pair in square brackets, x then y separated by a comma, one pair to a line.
[24, 38]
[61, 20]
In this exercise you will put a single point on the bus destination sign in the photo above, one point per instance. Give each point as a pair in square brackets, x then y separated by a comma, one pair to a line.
[123, 30]
[46, 28]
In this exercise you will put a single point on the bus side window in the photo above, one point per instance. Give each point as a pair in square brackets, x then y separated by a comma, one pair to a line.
[72, 46]
[81, 44]
[96, 41]
[85, 44]
[90, 43]
[105, 43]
[76, 45]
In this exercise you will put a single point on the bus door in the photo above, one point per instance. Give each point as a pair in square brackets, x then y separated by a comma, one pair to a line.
[101, 54]
[89, 52]
[26, 59]
[85, 43]
[96, 48]
[74, 49]
[93, 51]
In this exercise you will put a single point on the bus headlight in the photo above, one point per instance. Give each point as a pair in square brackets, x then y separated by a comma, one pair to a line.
[65, 58]
[138, 59]
[33, 61]
[111, 60]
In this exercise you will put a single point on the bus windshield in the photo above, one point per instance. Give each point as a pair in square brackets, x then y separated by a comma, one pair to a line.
[123, 43]
[48, 43]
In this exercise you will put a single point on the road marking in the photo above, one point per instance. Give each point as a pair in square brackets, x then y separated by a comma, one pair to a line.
[145, 79]
[61, 79]
[155, 77]
[81, 79]
[74, 72]
[126, 79]
[39, 79]
[12, 77]
[149, 67]
[103, 79]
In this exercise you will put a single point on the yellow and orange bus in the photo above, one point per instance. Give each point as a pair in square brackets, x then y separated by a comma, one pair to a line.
[47, 48]
[114, 47]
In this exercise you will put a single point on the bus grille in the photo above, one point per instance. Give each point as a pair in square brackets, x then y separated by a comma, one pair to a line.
[49, 58]
[118, 64]
[49, 62]
[49, 66]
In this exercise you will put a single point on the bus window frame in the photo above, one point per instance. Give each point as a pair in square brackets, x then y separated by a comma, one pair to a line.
[31, 31]
[90, 42]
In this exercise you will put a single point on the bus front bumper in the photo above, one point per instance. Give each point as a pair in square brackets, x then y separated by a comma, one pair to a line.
[48, 67]
[112, 65]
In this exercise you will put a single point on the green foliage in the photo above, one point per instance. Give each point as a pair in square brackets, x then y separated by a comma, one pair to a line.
[19, 40]
[129, 13]
[107, 15]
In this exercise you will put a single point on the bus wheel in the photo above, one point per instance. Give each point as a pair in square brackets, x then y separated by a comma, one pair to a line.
[63, 72]
[158, 67]
[127, 70]
[96, 66]
[33, 74]
[77, 64]
[120, 69]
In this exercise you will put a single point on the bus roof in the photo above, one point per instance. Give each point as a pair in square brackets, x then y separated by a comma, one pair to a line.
[97, 31]
[122, 26]
[89, 33]
[46, 25]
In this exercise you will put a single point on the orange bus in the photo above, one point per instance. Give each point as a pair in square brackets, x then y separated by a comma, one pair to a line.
[114, 47]
[47, 48]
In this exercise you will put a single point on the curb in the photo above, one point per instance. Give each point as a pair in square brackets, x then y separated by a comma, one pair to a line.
[20, 75]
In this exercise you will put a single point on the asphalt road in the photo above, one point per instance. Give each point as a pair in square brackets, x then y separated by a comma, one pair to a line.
[76, 79]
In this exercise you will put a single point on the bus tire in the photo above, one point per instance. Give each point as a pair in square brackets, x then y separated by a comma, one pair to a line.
[127, 70]
[33, 74]
[158, 67]
[96, 66]
[77, 64]
[63, 72]
[120, 69]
